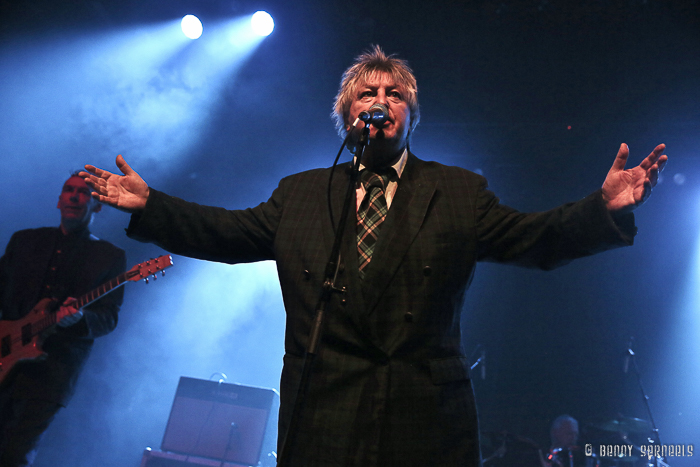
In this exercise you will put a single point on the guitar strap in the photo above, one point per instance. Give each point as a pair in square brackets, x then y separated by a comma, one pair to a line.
[63, 266]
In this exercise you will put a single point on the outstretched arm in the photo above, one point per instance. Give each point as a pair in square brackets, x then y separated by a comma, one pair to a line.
[128, 192]
[626, 190]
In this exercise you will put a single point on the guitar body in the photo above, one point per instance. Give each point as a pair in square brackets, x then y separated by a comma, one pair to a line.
[19, 339]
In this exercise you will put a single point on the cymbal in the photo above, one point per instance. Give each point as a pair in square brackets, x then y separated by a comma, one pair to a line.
[623, 425]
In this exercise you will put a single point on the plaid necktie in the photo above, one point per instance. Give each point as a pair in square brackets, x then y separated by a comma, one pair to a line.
[370, 216]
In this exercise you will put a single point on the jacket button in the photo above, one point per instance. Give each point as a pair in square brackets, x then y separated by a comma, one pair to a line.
[307, 275]
[427, 271]
[408, 317]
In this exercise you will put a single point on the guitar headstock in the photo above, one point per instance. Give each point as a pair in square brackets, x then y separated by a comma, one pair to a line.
[150, 268]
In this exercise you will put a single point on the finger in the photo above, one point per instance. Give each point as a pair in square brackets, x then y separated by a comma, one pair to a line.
[89, 178]
[102, 198]
[653, 176]
[97, 171]
[658, 166]
[653, 157]
[123, 166]
[621, 158]
[656, 169]
[94, 183]
[97, 191]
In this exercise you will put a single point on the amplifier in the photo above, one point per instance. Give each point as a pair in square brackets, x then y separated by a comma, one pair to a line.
[156, 458]
[223, 421]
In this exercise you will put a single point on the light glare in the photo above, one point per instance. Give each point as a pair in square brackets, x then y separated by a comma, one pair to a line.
[191, 26]
[262, 23]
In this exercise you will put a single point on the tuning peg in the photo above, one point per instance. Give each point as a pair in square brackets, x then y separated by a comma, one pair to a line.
[162, 273]
[155, 277]
[146, 279]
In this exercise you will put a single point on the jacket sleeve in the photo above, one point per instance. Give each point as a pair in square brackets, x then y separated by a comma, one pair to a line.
[207, 232]
[551, 238]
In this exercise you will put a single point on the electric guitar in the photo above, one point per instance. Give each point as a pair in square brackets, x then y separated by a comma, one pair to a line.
[20, 339]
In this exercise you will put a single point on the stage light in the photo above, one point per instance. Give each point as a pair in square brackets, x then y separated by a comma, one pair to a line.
[191, 26]
[262, 23]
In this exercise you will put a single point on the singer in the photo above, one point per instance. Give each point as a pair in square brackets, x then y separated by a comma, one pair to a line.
[391, 383]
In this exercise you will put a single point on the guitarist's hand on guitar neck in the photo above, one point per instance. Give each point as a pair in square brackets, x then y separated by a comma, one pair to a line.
[71, 312]
[128, 192]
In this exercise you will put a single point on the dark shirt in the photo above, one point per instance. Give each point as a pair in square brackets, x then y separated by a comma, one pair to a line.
[41, 263]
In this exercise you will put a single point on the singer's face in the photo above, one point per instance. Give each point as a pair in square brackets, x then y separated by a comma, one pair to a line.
[391, 138]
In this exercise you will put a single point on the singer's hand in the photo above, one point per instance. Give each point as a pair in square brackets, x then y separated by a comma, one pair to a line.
[128, 192]
[626, 190]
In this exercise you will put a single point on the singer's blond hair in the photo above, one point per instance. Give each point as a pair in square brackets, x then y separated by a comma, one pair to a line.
[366, 67]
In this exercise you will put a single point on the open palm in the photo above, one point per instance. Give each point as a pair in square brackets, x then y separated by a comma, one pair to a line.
[128, 192]
[626, 189]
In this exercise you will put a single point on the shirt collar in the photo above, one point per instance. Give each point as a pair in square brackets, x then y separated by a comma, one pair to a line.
[74, 234]
[398, 165]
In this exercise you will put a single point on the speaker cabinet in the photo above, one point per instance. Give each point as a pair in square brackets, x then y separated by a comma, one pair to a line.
[170, 459]
[223, 421]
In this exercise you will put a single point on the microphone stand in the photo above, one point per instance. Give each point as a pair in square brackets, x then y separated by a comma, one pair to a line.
[655, 431]
[480, 361]
[327, 289]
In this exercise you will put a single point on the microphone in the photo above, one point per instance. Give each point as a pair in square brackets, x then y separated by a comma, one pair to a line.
[376, 115]
[628, 354]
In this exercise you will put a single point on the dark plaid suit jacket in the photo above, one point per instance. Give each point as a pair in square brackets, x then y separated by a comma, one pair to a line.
[390, 386]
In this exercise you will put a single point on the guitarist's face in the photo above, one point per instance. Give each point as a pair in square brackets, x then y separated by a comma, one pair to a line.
[76, 205]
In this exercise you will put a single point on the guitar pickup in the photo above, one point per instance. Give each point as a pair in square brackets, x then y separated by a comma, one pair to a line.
[6, 345]
[27, 334]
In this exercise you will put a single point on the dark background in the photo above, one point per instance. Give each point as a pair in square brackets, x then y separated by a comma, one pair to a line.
[536, 95]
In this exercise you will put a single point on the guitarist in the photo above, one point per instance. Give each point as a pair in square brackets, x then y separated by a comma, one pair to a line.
[58, 263]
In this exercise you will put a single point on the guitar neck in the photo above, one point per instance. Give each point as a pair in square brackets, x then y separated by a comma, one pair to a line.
[103, 289]
[138, 272]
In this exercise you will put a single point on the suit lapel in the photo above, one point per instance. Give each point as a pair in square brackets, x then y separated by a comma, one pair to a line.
[348, 249]
[404, 220]
[338, 189]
